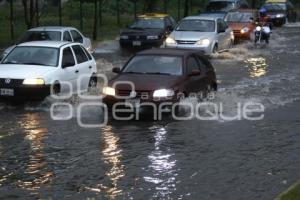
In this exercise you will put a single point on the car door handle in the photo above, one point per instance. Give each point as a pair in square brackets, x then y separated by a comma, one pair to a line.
[90, 67]
[76, 71]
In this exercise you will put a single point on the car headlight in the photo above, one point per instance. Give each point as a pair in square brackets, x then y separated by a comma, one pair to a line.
[245, 30]
[109, 91]
[124, 37]
[152, 37]
[258, 28]
[170, 40]
[204, 42]
[163, 93]
[34, 81]
[279, 15]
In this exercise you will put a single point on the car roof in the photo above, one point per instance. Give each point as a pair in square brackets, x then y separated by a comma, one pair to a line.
[53, 44]
[153, 15]
[206, 17]
[51, 28]
[169, 51]
[213, 14]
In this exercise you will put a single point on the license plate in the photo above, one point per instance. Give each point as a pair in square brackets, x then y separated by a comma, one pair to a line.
[133, 102]
[7, 92]
[136, 43]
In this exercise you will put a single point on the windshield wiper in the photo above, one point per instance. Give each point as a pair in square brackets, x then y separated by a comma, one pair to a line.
[133, 73]
[11, 62]
[33, 63]
[159, 73]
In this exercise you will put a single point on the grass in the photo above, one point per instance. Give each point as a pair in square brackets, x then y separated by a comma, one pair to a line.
[107, 31]
[293, 193]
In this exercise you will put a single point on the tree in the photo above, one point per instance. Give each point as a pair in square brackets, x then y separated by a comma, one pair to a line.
[95, 29]
[29, 12]
[186, 8]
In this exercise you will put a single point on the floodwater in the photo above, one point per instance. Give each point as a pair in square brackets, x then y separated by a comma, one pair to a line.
[236, 159]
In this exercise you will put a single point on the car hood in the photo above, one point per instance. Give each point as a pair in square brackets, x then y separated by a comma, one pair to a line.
[238, 25]
[130, 31]
[191, 36]
[13, 71]
[146, 82]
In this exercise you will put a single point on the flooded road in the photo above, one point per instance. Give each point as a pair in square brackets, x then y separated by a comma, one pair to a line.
[47, 159]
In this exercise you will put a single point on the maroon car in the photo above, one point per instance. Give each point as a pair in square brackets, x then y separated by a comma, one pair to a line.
[159, 76]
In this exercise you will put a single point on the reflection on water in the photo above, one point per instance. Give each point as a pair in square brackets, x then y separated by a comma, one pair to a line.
[257, 66]
[162, 167]
[112, 156]
[36, 169]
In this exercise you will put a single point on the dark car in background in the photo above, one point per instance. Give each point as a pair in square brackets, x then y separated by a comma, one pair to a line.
[149, 30]
[276, 14]
[287, 9]
[226, 5]
[159, 76]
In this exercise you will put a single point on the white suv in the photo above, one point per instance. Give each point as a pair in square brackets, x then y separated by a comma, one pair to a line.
[54, 33]
[31, 69]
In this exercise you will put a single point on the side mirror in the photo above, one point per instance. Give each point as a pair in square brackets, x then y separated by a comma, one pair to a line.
[67, 64]
[116, 70]
[195, 72]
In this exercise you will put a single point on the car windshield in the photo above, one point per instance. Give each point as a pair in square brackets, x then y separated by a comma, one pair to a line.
[155, 64]
[148, 24]
[239, 17]
[197, 25]
[41, 35]
[274, 7]
[45, 56]
[220, 6]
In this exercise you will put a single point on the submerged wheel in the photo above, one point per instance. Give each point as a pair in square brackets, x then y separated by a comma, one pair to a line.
[215, 49]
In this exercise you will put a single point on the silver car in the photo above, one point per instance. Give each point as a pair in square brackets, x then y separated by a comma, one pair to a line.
[209, 34]
[53, 33]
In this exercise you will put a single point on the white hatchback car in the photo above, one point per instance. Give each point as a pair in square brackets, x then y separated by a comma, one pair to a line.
[207, 33]
[53, 33]
[32, 69]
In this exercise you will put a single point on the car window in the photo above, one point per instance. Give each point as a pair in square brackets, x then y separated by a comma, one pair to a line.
[87, 53]
[76, 36]
[67, 36]
[41, 35]
[37, 56]
[154, 64]
[79, 53]
[196, 25]
[68, 57]
[192, 64]
[148, 23]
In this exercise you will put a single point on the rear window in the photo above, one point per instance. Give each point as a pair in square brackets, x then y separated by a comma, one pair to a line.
[41, 35]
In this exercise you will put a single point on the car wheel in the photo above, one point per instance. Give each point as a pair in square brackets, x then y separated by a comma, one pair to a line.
[92, 83]
[215, 49]
[55, 88]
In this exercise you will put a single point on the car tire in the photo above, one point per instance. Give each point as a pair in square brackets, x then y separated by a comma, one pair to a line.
[215, 49]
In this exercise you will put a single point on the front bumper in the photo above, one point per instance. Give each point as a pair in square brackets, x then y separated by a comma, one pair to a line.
[140, 43]
[25, 92]
[144, 105]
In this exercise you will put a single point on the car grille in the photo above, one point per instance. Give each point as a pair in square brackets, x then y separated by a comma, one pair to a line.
[137, 37]
[139, 94]
[10, 83]
[236, 32]
[185, 42]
